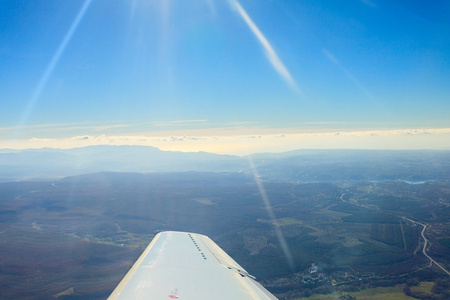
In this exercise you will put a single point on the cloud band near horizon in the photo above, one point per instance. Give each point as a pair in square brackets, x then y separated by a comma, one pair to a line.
[244, 142]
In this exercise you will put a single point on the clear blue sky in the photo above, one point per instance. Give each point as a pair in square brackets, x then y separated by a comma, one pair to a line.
[72, 68]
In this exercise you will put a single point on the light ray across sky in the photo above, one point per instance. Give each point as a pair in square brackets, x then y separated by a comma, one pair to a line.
[53, 62]
[348, 74]
[276, 62]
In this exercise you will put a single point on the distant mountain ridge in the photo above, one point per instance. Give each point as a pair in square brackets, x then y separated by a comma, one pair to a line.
[51, 163]
[292, 166]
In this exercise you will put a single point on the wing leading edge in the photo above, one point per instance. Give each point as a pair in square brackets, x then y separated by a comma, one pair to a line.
[182, 265]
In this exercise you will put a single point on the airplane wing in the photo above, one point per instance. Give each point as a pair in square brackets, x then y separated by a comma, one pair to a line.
[182, 265]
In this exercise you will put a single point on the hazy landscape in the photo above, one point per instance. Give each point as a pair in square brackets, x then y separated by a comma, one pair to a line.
[73, 221]
[308, 139]
[293, 166]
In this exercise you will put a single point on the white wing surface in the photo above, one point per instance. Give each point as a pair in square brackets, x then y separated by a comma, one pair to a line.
[181, 265]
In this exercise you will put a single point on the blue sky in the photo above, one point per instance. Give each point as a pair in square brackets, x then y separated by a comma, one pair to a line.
[174, 73]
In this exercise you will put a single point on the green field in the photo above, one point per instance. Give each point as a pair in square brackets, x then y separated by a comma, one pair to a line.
[380, 293]
[424, 288]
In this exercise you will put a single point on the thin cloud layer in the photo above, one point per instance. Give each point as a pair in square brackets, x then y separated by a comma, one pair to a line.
[240, 142]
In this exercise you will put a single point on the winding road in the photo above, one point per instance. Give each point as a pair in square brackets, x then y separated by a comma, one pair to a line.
[424, 249]
[425, 244]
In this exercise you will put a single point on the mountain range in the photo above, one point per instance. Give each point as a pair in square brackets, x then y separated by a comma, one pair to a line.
[299, 165]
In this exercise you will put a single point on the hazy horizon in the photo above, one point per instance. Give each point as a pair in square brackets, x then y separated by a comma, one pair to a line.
[245, 144]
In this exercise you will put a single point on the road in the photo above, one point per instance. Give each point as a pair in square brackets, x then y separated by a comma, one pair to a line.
[425, 244]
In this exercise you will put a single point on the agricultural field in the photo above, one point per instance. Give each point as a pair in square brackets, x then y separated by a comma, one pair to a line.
[385, 293]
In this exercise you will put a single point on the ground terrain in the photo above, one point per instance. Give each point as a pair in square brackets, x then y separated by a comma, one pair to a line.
[76, 237]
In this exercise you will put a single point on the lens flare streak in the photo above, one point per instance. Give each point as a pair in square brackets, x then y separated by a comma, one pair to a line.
[270, 52]
[274, 221]
[51, 66]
